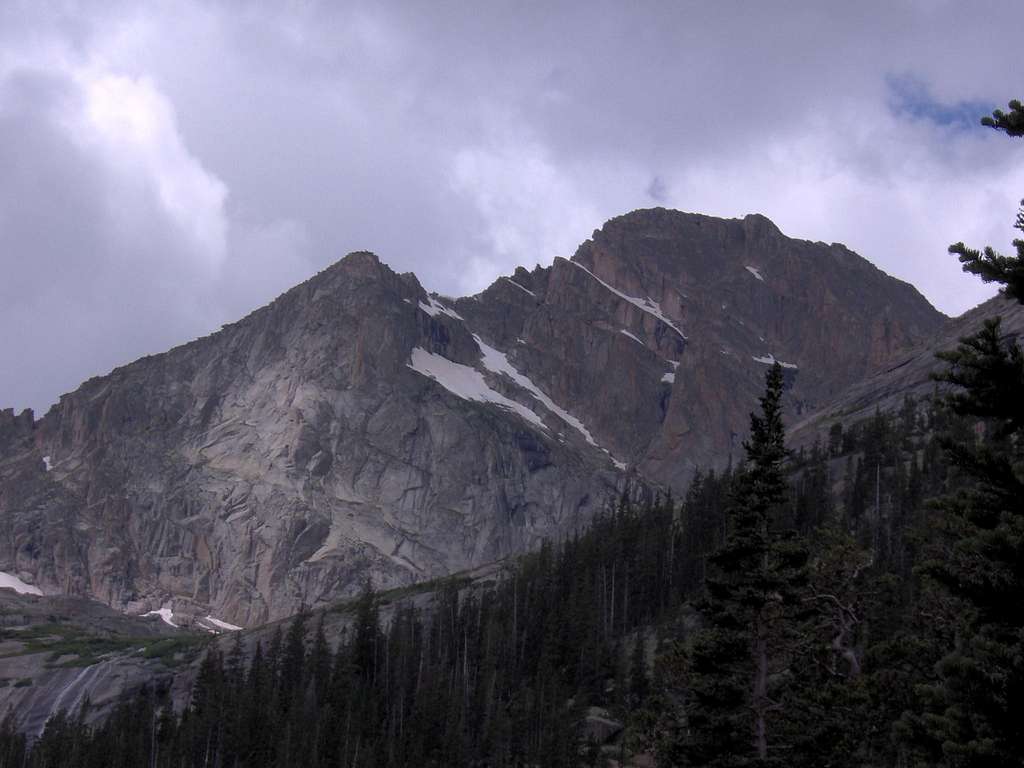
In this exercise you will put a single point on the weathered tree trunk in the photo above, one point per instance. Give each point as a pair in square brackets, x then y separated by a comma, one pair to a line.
[760, 701]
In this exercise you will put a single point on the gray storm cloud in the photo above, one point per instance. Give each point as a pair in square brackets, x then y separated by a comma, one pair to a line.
[169, 167]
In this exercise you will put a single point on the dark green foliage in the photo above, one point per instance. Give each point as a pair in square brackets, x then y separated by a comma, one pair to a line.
[856, 640]
[994, 267]
[1011, 122]
[753, 589]
[989, 265]
[970, 713]
[987, 372]
[828, 702]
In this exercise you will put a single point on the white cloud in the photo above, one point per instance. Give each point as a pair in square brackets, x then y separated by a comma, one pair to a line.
[169, 166]
[132, 126]
[531, 210]
[112, 233]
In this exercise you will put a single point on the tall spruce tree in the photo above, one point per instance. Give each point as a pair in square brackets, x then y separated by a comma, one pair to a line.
[753, 584]
[829, 710]
[973, 710]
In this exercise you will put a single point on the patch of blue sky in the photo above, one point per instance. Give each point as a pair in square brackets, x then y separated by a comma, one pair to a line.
[910, 97]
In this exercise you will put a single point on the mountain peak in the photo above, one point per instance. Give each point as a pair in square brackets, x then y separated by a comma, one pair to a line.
[760, 225]
[357, 426]
[359, 260]
[667, 220]
[363, 264]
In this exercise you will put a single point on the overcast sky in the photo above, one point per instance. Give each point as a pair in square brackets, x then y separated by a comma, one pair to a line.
[168, 167]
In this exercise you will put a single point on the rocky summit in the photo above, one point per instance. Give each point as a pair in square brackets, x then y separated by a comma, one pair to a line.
[358, 427]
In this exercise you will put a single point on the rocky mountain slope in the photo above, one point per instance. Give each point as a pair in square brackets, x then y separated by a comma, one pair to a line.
[358, 427]
[61, 652]
[659, 330]
[906, 374]
[58, 652]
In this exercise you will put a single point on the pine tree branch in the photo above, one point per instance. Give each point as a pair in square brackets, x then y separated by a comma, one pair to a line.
[1011, 123]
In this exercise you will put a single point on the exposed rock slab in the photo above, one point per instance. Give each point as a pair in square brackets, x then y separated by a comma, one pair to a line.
[60, 653]
[906, 374]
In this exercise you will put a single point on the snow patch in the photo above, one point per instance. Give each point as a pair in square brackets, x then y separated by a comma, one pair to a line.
[223, 624]
[755, 272]
[435, 308]
[647, 304]
[47, 463]
[670, 376]
[634, 338]
[497, 362]
[769, 359]
[520, 287]
[165, 614]
[9, 581]
[465, 382]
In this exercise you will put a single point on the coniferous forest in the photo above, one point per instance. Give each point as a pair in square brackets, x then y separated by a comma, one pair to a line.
[855, 603]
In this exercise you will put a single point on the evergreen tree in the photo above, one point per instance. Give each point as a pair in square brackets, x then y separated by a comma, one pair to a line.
[825, 725]
[754, 582]
[972, 713]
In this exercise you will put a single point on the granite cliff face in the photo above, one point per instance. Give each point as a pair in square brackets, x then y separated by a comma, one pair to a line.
[284, 459]
[660, 328]
[906, 374]
[358, 427]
